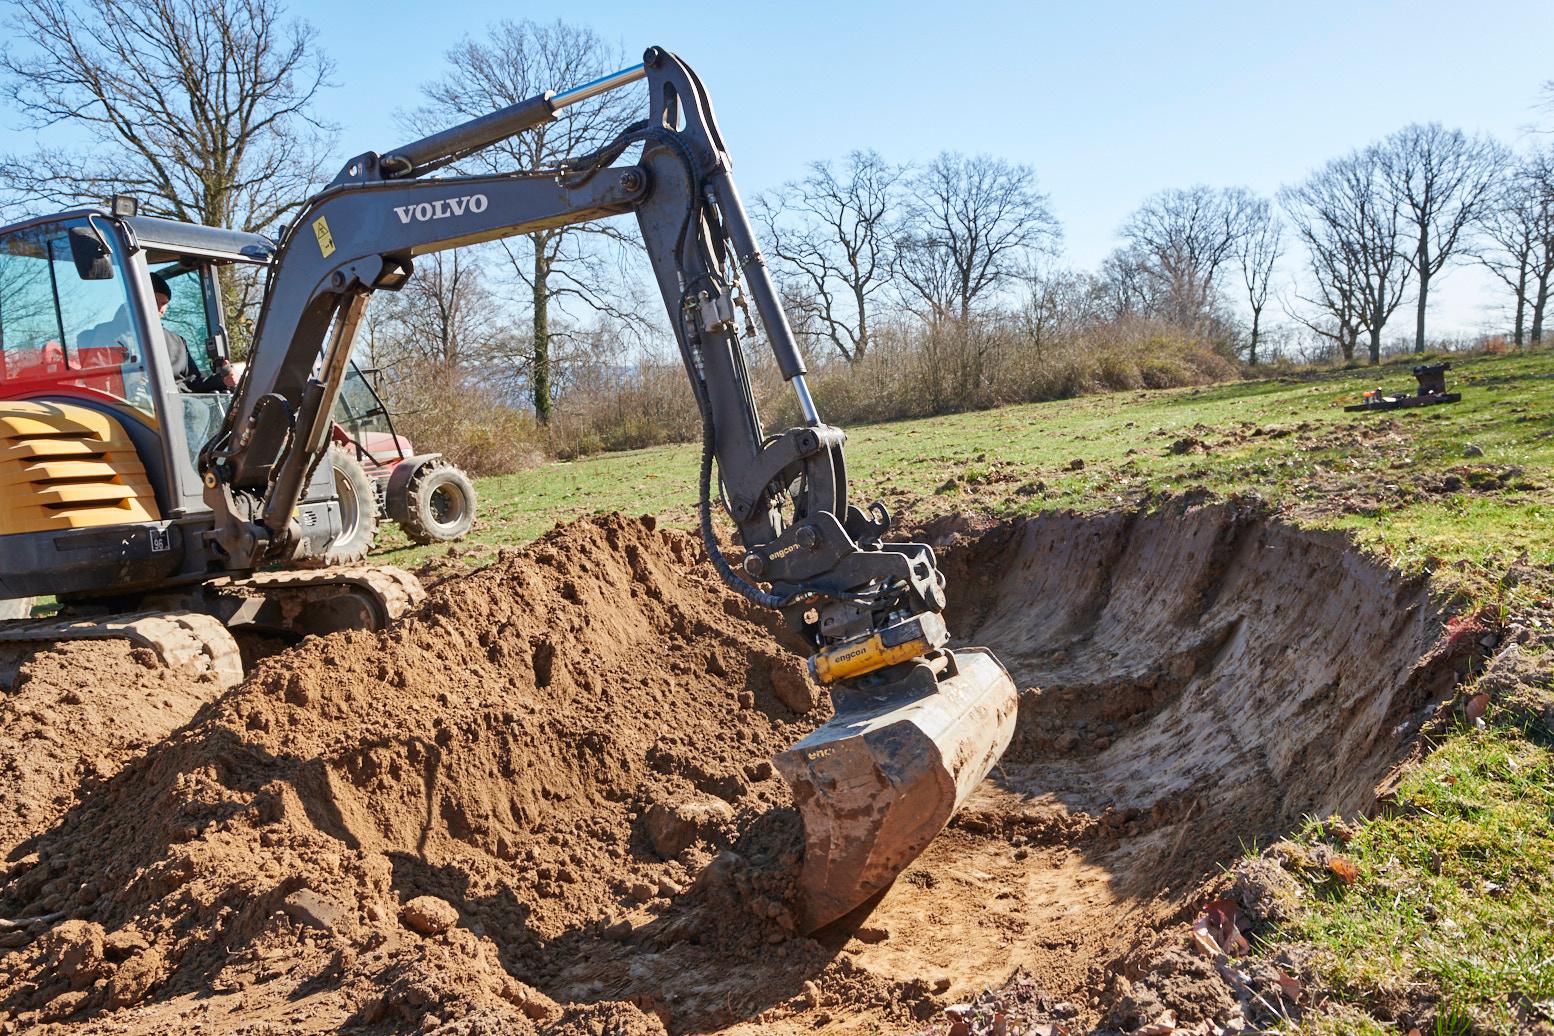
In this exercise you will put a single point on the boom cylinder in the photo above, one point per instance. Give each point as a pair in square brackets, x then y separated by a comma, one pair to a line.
[789, 360]
[471, 136]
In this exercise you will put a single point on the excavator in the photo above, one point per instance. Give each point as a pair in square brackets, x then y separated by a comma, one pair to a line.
[174, 518]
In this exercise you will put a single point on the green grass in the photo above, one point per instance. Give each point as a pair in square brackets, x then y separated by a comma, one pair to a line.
[1286, 440]
[1455, 898]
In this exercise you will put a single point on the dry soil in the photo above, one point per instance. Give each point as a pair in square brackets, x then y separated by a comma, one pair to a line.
[543, 802]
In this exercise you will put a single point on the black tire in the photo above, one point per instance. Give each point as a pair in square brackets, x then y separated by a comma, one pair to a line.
[439, 504]
[358, 510]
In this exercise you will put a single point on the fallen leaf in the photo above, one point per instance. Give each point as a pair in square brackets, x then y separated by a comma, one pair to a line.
[1290, 987]
[1344, 869]
[1205, 943]
[1221, 922]
[1164, 1025]
[1476, 707]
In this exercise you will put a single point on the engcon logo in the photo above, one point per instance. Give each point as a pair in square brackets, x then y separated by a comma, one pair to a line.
[442, 208]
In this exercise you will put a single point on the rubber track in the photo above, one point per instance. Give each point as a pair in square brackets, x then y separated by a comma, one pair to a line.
[199, 641]
[180, 639]
[396, 590]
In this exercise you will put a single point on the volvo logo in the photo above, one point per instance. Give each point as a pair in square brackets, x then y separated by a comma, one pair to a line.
[442, 208]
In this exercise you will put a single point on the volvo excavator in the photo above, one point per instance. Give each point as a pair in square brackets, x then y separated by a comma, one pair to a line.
[172, 518]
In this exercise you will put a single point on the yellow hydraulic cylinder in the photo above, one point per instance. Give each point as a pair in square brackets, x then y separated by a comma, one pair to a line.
[894, 644]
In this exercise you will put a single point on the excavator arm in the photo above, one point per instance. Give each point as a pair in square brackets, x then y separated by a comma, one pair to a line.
[917, 725]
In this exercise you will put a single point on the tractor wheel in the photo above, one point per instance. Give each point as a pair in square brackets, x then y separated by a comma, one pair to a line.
[358, 510]
[439, 504]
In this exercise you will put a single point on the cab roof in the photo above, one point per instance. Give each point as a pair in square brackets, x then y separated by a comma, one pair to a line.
[168, 239]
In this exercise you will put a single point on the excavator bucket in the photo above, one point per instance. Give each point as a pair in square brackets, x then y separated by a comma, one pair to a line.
[882, 777]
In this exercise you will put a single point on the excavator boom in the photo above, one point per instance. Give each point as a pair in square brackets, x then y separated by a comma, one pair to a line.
[917, 724]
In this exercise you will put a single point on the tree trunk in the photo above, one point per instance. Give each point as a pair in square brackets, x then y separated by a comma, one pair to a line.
[1424, 291]
[1251, 354]
[1376, 346]
[1538, 308]
[1521, 312]
[862, 345]
[541, 331]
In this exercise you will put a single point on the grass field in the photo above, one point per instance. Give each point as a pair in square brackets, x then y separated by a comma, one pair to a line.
[1451, 908]
[1463, 489]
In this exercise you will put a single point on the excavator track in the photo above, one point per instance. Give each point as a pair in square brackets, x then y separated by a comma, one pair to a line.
[202, 643]
[392, 591]
[181, 639]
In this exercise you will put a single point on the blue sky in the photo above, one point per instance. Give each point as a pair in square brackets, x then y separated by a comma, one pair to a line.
[1109, 102]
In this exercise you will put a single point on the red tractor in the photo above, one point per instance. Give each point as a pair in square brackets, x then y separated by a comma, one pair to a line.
[379, 475]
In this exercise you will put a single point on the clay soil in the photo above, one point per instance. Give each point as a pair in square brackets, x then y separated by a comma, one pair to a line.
[544, 802]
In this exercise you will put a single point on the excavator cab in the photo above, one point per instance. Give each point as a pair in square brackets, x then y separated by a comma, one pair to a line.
[96, 438]
[101, 501]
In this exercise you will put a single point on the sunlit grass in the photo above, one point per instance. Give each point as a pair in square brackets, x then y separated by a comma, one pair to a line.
[1285, 440]
[1454, 907]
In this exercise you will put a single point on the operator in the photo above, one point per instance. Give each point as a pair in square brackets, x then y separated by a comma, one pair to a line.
[185, 371]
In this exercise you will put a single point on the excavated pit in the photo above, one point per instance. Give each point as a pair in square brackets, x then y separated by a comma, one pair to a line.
[570, 749]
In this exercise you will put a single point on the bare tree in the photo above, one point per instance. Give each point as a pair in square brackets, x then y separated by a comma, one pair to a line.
[1336, 301]
[1183, 237]
[446, 316]
[1440, 180]
[969, 225]
[1352, 226]
[830, 232]
[1056, 303]
[1516, 239]
[1259, 249]
[1126, 287]
[201, 108]
[512, 62]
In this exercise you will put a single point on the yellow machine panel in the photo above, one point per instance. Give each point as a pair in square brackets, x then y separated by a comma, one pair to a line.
[64, 466]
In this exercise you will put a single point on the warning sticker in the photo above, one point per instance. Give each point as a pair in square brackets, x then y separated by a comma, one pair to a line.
[326, 240]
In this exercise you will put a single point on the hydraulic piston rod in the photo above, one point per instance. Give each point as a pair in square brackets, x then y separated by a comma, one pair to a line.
[468, 137]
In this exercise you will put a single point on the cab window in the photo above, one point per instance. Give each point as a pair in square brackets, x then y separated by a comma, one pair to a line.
[186, 313]
[65, 320]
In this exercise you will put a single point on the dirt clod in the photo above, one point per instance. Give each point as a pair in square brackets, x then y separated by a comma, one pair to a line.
[1266, 891]
[791, 685]
[309, 908]
[429, 915]
[673, 826]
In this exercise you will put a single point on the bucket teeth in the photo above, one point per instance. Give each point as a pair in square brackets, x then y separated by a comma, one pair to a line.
[882, 777]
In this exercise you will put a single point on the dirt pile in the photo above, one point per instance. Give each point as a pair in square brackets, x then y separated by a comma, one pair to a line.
[524, 749]
[544, 801]
[73, 715]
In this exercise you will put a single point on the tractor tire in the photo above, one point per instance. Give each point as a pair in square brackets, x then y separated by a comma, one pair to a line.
[438, 505]
[358, 511]
[16, 608]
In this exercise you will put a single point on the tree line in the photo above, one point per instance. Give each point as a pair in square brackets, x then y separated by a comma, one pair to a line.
[1372, 229]
[207, 110]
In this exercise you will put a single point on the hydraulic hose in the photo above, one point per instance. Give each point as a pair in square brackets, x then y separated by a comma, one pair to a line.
[726, 572]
